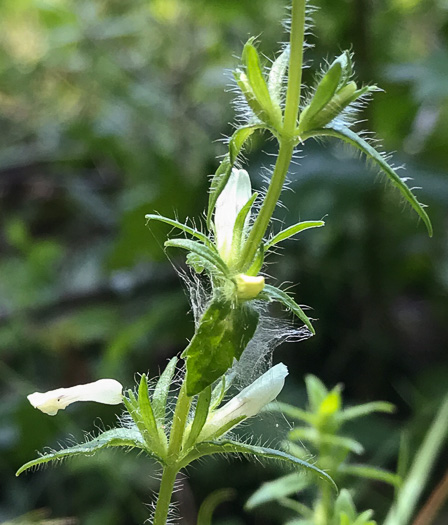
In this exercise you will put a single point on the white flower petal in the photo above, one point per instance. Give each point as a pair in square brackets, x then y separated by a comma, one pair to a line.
[249, 401]
[106, 391]
[232, 199]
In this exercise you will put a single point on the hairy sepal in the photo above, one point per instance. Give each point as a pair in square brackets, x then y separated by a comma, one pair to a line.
[161, 391]
[349, 136]
[220, 178]
[117, 437]
[200, 416]
[227, 446]
[277, 75]
[272, 293]
[224, 331]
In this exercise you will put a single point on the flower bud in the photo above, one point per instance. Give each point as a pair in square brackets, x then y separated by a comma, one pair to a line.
[106, 391]
[247, 403]
[228, 205]
[248, 287]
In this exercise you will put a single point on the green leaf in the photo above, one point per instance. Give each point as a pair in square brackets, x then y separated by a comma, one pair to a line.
[344, 504]
[365, 410]
[291, 411]
[423, 462]
[146, 411]
[279, 488]
[220, 178]
[325, 91]
[176, 224]
[298, 508]
[276, 294]
[240, 221]
[223, 333]
[270, 110]
[349, 136]
[200, 416]
[366, 471]
[233, 447]
[160, 396]
[316, 392]
[292, 230]
[219, 392]
[277, 75]
[205, 253]
[312, 436]
[117, 437]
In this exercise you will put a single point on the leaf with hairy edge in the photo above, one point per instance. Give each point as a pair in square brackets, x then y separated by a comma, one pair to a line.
[279, 488]
[257, 81]
[240, 221]
[312, 436]
[233, 447]
[292, 230]
[200, 416]
[291, 411]
[316, 392]
[180, 226]
[349, 136]
[202, 251]
[223, 333]
[220, 178]
[162, 389]
[277, 75]
[325, 91]
[365, 410]
[146, 410]
[275, 294]
[117, 437]
[366, 471]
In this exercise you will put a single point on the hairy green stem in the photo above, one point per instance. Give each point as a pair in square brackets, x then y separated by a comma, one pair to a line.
[174, 451]
[285, 136]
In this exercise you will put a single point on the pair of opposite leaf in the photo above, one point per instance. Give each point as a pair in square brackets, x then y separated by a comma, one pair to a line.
[205, 431]
[327, 112]
[230, 319]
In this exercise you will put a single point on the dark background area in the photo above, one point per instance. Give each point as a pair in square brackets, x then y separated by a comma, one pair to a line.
[115, 108]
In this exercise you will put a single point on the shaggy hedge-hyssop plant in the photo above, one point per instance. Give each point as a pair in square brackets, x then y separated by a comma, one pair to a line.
[234, 333]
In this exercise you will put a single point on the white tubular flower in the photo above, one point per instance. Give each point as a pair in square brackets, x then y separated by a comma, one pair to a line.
[232, 199]
[106, 391]
[248, 402]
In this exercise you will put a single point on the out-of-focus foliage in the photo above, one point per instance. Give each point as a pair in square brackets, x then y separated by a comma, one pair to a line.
[110, 109]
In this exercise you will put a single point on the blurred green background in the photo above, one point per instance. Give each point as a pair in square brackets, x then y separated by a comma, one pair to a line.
[110, 109]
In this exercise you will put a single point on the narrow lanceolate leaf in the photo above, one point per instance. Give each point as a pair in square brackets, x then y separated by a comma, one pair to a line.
[316, 392]
[275, 294]
[241, 221]
[349, 136]
[324, 92]
[277, 75]
[179, 225]
[366, 471]
[233, 447]
[312, 436]
[291, 231]
[118, 437]
[220, 178]
[145, 408]
[279, 488]
[205, 253]
[160, 396]
[200, 416]
[292, 412]
[259, 87]
[365, 409]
